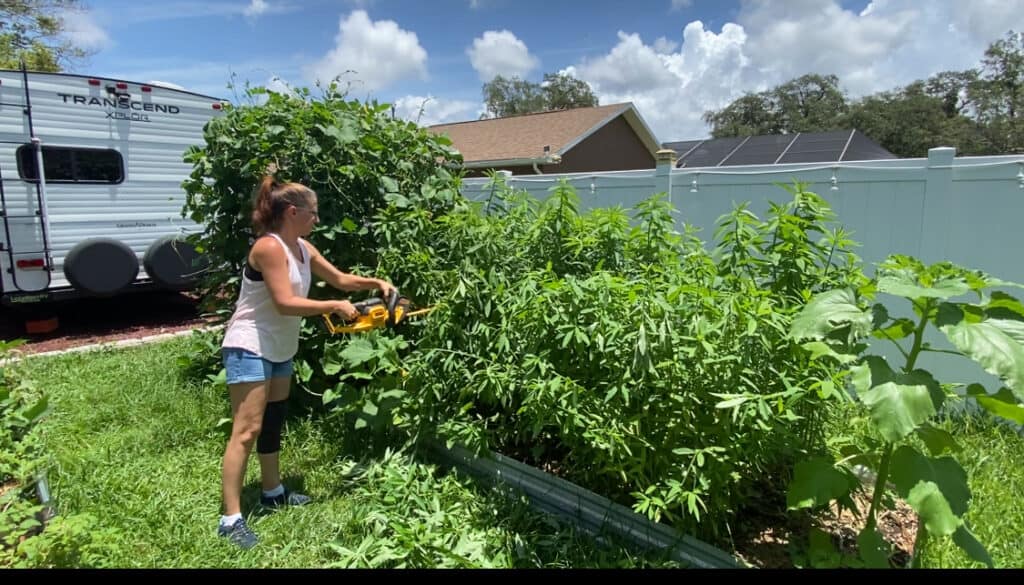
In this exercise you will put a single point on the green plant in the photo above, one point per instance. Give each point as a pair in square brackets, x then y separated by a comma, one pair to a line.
[902, 403]
[610, 348]
[354, 155]
[30, 536]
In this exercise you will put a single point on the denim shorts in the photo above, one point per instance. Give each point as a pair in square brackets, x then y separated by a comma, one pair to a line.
[244, 366]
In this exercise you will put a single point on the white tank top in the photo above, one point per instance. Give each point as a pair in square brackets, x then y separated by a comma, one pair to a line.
[256, 325]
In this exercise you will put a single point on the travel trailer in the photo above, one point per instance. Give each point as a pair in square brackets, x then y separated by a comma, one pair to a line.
[90, 185]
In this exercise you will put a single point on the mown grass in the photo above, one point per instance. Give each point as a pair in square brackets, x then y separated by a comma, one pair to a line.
[992, 454]
[993, 457]
[138, 446]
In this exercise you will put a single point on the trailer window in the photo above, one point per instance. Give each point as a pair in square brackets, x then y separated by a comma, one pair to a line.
[72, 165]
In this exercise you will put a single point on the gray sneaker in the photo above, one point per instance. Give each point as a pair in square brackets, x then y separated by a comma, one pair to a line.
[239, 533]
[288, 498]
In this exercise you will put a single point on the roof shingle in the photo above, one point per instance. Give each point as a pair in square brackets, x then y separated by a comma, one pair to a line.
[524, 137]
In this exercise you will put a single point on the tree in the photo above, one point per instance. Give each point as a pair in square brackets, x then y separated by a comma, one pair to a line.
[564, 92]
[510, 97]
[953, 88]
[909, 121]
[998, 93]
[750, 115]
[809, 103]
[514, 96]
[31, 31]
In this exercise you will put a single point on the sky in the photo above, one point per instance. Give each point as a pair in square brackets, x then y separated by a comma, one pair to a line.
[674, 59]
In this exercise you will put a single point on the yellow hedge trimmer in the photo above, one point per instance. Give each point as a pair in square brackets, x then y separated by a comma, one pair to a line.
[375, 313]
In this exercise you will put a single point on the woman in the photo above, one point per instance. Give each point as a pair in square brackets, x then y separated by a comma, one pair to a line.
[262, 336]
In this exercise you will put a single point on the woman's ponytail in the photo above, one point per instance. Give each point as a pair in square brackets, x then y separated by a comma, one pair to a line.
[263, 206]
[273, 199]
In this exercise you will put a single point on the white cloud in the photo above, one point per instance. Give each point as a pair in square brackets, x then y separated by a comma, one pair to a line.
[889, 43]
[83, 31]
[428, 110]
[500, 53]
[378, 52]
[681, 4]
[671, 90]
[664, 46]
[256, 8]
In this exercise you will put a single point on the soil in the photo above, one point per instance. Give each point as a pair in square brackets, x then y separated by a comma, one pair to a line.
[772, 547]
[90, 321]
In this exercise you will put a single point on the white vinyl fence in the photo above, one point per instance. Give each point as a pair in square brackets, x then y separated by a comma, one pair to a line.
[967, 210]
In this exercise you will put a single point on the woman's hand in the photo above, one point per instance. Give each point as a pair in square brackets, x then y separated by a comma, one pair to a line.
[385, 288]
[346, 309]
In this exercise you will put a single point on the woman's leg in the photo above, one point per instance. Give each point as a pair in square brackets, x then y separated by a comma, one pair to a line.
[248, 401]
[269, 451]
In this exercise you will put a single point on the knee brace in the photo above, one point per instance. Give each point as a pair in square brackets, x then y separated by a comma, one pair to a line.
[269, 440]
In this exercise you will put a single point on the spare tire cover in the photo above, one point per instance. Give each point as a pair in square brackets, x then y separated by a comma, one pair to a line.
[101, 266]
[173, 263]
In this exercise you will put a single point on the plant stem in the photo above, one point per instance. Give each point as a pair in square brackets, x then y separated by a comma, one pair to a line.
[915, 350]
[880, 481]
[922, 536]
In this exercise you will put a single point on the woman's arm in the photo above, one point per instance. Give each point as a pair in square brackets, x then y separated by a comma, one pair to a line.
[326, 271]
[269, 258]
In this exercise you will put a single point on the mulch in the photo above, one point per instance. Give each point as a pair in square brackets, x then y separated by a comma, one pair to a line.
[91, 321]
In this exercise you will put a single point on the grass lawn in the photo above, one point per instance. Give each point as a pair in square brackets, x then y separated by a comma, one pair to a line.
[139, 448]
[993, 456]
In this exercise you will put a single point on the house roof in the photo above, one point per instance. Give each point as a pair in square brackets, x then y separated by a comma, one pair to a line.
[521, 139]
[803, 147]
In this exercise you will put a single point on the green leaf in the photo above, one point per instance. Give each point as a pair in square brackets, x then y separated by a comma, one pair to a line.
[937, 440]
[936, 488]
[823, 554]
[874, 549]
[828, 312]
[927, 500]
[875, 370]
[330, 395]
[390, 185]
[331, 367]
[37, 410]
[303, 371]
[974, 549]
[1001, 300]
[992, 344]
[731, 402]
[905, 284]
[898, 409]
[1002, 403]
[820, 348]
[358, 352]
[898, 330]
[342, 135]
[816, 482]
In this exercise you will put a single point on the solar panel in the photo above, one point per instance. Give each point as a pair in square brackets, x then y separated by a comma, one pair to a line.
[863, 148]
[760, 150]
[839, 145]
[819, 147]
[711, 152]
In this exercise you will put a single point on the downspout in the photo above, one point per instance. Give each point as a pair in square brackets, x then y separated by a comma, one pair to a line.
[537, 170]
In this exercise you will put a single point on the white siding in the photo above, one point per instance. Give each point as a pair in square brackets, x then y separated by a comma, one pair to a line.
[145, 207]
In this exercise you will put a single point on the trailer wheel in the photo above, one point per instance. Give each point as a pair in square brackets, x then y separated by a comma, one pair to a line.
[101, 266]
[173, 263]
